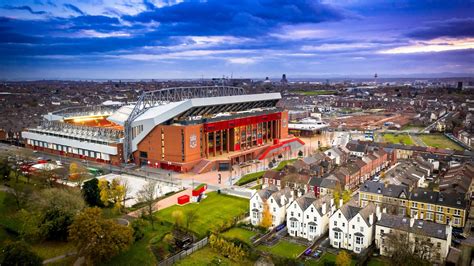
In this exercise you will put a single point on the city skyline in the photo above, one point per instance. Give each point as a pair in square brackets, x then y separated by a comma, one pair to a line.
[180, 39]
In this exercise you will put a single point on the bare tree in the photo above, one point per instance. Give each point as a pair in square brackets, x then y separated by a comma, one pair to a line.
[148, 195]
[402, 251]
[127, 189]
[191, 216]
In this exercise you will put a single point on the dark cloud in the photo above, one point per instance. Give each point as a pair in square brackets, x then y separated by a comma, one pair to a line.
[458, 27]
[74, 8]
[27, 8]
[246, 17]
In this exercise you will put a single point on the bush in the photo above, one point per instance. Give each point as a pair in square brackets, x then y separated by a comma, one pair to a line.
[137, 226]
[19, 253]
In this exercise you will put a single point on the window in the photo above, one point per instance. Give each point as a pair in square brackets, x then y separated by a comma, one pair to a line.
[255, 215]
[254, 204]
[274, 209]
[457, 221]
[439, 209]
[439, 217]
[353, 226]
[414, 205]
[307, 216]
[312, 229]
[271, 200]
[429, 216]
[292, 214]
[339, 215]
[359, 240]
[361, 229]
[335, 223]
[337, 235]
[358, 219]
[438, 244]
[457, 212]
[343, 224]
[293, 224]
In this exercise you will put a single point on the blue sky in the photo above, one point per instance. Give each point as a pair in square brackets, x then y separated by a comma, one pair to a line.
[135, 39]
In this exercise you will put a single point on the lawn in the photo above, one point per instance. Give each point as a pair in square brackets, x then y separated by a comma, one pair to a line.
[212, 212]
[284, 249]
[440, 141]
[240, 234]
[315, 93]
[327, 258]
[377, 262]
[51, 249]
[8, 222]
[257, 175]
[206, 256]
[404, 139]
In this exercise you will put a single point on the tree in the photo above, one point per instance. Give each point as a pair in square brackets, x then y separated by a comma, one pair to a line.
[20, 193]
[127, 189]
[46, 175]
[111, 192]
[77, 172]
[346, 196]
[191, 216]
[402, 251]
[98, 239]
[343, 259]
[178, 218]
[91, 192]
[148, 195]
[266, 216]
[56, 209]
[19, 253]
[300, 153]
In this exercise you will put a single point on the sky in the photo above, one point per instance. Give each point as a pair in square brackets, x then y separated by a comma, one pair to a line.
[136, 39]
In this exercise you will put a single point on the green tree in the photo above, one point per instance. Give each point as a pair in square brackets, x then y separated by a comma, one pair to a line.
[19, 253]
[98, 239]
[56, 209]
[20, 193]
[343, 259]
[91, 193]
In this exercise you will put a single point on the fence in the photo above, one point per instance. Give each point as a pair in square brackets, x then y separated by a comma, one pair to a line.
[181, 255]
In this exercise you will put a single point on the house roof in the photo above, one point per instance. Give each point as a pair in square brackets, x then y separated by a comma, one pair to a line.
[267, 192]
[305, 201]
[372, 187]
[420, 227]
[349, 211]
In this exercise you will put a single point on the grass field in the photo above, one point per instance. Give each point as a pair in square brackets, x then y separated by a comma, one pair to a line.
[212, 212]
[254, 176]
[51, 249]
[404, 139]
[315, 93]
[207, 256]
[440, 141]
[240, 234]
[284, 249]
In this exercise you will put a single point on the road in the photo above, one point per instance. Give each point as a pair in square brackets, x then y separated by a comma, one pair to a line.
[442, 118]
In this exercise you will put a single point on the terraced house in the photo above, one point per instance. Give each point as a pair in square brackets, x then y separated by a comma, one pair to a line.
[424, 204]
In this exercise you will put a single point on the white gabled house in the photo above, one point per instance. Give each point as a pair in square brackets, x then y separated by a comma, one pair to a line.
[316, 217]
[353, 228]
[295, 215]
[308, 217]
[278, 202]
[257, 201]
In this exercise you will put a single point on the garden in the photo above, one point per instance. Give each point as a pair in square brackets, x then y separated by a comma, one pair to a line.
[404, 139]
[440, 141]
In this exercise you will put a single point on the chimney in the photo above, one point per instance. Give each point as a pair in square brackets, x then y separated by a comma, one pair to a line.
[412, 222]
[378, 213]
[324, 208]
[282, 201]
[292, 195]
[371, 219]
[332, 202]
[384, 210]
[299, 193]
[341, 202]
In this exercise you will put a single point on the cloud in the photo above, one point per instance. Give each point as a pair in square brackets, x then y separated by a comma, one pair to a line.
[242, 60]
[456, 27]
[435, 45]
[27, 8]
[74, 9]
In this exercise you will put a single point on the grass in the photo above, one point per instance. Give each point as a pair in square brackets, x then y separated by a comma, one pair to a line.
[8, 222]
[240, 234]
[212, 212]
[315, 93]
[51, 249]
[440, 141]
[207, 256]
[284, 249]
[377, 262]
[326, 259]
[248, 178]
[404, 139]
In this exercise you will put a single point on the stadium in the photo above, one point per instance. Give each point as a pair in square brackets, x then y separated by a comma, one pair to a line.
[181, 129]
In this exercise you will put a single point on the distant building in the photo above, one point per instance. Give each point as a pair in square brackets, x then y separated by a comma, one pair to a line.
[283, 79]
